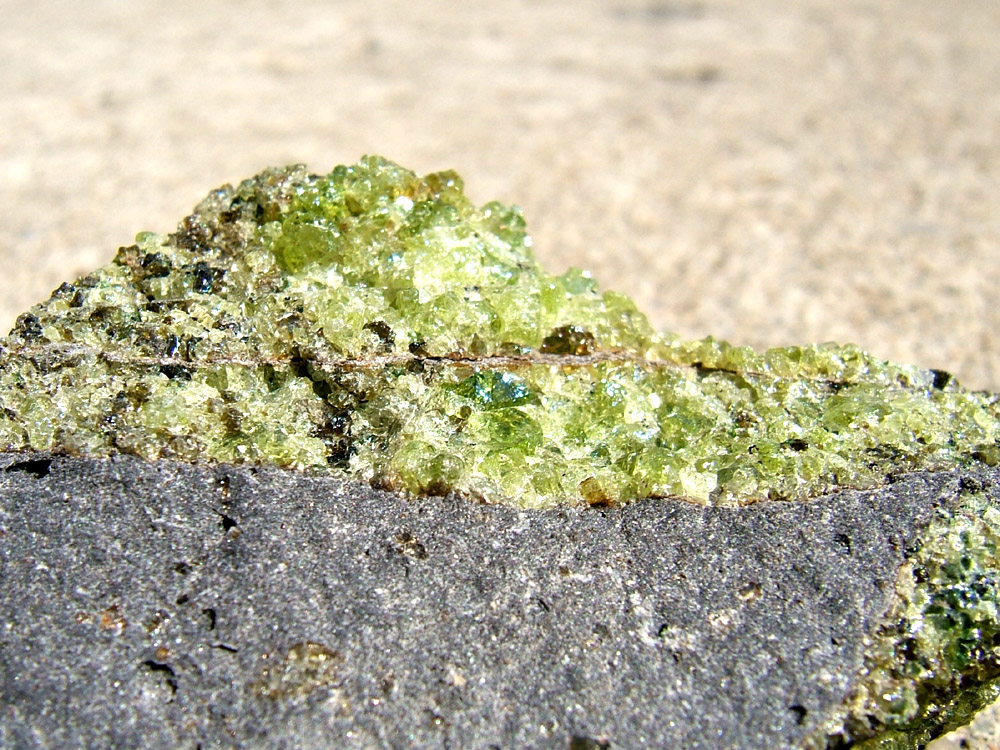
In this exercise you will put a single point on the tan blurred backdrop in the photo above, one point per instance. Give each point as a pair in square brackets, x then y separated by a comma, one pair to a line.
[767, 172]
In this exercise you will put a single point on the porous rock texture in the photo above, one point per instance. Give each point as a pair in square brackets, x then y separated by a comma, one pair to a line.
[162, 604]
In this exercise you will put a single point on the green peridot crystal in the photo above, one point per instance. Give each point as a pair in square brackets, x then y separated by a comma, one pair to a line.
[375, 324]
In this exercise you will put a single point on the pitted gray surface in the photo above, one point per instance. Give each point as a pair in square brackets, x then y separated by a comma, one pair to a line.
[142, 604]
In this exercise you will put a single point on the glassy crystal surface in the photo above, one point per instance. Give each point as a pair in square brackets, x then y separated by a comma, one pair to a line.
[376, 324]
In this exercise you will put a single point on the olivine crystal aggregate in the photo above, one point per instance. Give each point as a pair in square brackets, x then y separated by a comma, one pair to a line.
[376, 324]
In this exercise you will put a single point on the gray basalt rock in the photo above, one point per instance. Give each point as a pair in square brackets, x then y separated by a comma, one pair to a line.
[168, 605]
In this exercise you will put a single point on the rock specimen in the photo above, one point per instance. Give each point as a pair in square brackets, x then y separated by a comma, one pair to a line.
[374, 326]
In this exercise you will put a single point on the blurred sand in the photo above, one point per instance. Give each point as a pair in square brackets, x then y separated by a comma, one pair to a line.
[766, 172]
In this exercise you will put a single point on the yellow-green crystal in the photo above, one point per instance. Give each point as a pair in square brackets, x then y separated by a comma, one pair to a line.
[377, 325]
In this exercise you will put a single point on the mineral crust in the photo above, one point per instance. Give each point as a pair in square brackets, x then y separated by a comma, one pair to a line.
[377, 325]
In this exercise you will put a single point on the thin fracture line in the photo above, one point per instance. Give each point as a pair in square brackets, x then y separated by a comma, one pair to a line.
[382, 361]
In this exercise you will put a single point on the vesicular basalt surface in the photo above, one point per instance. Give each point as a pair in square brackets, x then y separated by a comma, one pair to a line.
[161, 604]
[375, 324]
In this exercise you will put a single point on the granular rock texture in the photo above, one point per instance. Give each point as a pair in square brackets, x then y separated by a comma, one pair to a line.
[377, 325]
[160, 604]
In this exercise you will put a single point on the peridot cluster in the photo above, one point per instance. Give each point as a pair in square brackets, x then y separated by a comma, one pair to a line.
[376, 324]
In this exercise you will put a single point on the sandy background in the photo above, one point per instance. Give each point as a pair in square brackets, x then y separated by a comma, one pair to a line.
[768, 172]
